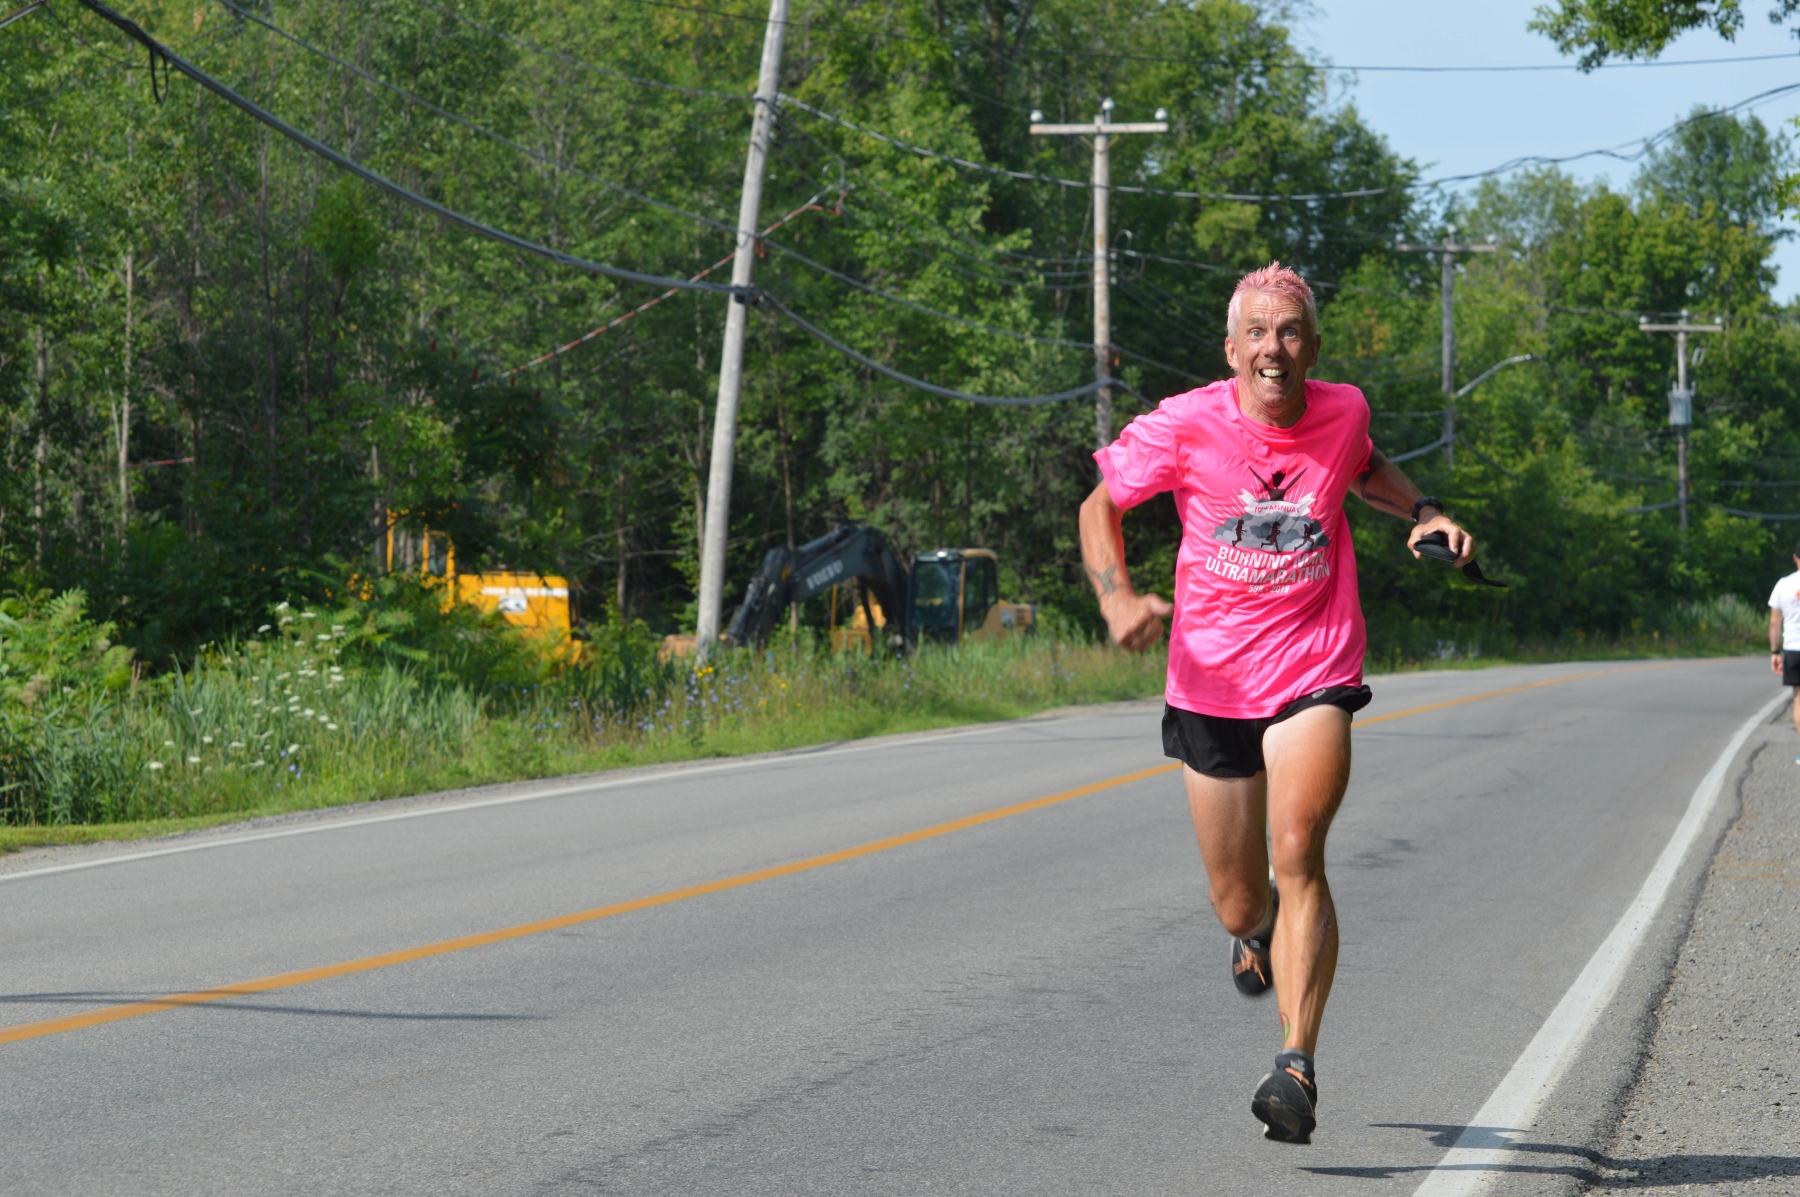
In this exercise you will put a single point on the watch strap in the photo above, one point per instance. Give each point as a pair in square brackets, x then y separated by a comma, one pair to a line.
[1424, 502]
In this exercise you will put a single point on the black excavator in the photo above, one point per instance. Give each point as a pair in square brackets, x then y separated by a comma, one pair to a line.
[948, 596]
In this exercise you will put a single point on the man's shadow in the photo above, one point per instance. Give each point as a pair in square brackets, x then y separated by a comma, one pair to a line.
[1594, 1167]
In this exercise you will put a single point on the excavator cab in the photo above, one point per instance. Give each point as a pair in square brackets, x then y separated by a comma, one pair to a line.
[534, 602]
[956, 599]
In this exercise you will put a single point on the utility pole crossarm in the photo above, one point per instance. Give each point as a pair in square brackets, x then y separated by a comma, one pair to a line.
[1104, 127]
[1103, 130]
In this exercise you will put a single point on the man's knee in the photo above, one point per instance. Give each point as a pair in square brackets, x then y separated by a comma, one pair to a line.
[1297, 851]
[1242, 910]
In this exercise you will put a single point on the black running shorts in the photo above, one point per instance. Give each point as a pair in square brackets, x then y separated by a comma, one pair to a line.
[1221, 747]
[1790, 668]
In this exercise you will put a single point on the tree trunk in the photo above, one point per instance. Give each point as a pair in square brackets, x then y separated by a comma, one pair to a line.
[41, 454]
[124, 419]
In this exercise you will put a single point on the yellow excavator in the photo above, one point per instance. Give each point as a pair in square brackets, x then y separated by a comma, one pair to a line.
[535, 602]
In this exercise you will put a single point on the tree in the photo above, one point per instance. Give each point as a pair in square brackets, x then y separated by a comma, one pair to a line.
[1602, 29]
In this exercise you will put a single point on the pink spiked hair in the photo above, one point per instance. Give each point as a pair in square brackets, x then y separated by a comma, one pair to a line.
[1273, 279]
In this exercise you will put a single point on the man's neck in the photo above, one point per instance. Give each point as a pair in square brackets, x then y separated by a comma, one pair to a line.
[1285, 414]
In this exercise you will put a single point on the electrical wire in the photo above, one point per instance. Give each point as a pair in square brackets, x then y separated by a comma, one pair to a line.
[810, 205]
[1234, 64]
[1645, 145]
[131, 29]
[22, 13]
[920, 384]
[482, 130]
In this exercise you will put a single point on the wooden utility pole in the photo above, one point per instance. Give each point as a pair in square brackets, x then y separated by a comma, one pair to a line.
[717, 523]
[1103, 131]
[1681, 399]
[1446, 251]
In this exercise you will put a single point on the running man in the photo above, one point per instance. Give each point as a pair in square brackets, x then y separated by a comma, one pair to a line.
[1784, 633]
[1266, 646]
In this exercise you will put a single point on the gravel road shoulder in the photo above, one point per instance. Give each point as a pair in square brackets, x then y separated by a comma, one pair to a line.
[1716, 1106]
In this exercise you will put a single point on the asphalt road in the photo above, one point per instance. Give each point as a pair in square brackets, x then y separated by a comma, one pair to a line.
[1037, 1004]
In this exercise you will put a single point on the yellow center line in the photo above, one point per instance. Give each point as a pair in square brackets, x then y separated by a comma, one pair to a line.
[306, 976]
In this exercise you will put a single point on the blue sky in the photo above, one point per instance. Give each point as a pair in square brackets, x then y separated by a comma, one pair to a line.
[1455, 123]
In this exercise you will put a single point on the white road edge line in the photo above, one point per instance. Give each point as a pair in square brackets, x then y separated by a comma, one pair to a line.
[675, 774]
[1478, 1156]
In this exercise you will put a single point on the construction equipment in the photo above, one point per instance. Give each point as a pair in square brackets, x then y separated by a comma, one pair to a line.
[531, 601]
[948, 596]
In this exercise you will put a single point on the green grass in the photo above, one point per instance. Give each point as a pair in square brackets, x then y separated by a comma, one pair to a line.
[281, 726]
[303, 719]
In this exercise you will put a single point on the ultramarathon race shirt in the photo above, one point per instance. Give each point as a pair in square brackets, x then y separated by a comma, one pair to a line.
[1786, 599]
[1266, 607]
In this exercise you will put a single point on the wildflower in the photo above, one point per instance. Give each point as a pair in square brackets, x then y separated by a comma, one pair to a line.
[323, 636]
[206, 739]
[281, 607]
[262, 629]
[168, 743]
[332, 726]
[292, 748]
[196, 711]
[256, 764]
[235, 744]
[309, 615]
[307, 713]
[154, 765]
[193, 760]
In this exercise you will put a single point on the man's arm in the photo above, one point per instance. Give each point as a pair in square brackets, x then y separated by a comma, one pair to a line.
[1134, 620]
[1775, 639]
[1383, 486]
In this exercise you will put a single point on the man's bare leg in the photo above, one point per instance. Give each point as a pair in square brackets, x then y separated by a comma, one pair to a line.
[1309, 767]
[1237, 820]
[1796, 690]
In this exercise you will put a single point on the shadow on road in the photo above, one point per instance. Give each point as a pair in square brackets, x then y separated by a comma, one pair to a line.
[1584, 1163]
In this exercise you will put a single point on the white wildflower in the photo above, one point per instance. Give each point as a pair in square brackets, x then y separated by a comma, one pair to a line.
[264, 628]
[235, 744]
[331, 726]
[307, 713]
[293, 748]
[206, 739]
[154, 765]
[193, 760]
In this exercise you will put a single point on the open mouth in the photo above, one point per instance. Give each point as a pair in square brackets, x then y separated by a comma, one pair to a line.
[1272, 374]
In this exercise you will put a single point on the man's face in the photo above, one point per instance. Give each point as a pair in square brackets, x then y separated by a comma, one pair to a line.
[1271, 349]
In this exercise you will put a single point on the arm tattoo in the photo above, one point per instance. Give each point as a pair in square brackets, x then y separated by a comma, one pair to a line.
[1106, 581]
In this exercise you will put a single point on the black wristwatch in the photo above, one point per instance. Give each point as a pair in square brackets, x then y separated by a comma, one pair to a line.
[1422, 504]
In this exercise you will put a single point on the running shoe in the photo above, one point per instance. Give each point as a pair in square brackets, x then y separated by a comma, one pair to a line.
[1287, 1099]
[1251, 971]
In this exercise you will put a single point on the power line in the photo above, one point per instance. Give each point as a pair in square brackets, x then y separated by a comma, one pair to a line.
[1236, 64]
[920, 384]
[171, 59]
[1645, 145]
[479, 129]
[847, 279]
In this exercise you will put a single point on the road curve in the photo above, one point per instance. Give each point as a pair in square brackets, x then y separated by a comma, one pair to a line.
[1034, 1003]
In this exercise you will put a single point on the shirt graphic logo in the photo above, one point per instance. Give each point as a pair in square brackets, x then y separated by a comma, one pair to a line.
[1278, 522]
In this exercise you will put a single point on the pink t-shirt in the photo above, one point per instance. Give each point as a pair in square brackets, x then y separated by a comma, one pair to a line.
[1266, 607]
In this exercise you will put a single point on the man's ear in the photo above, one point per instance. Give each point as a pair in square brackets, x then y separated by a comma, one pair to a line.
[1231, 359]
